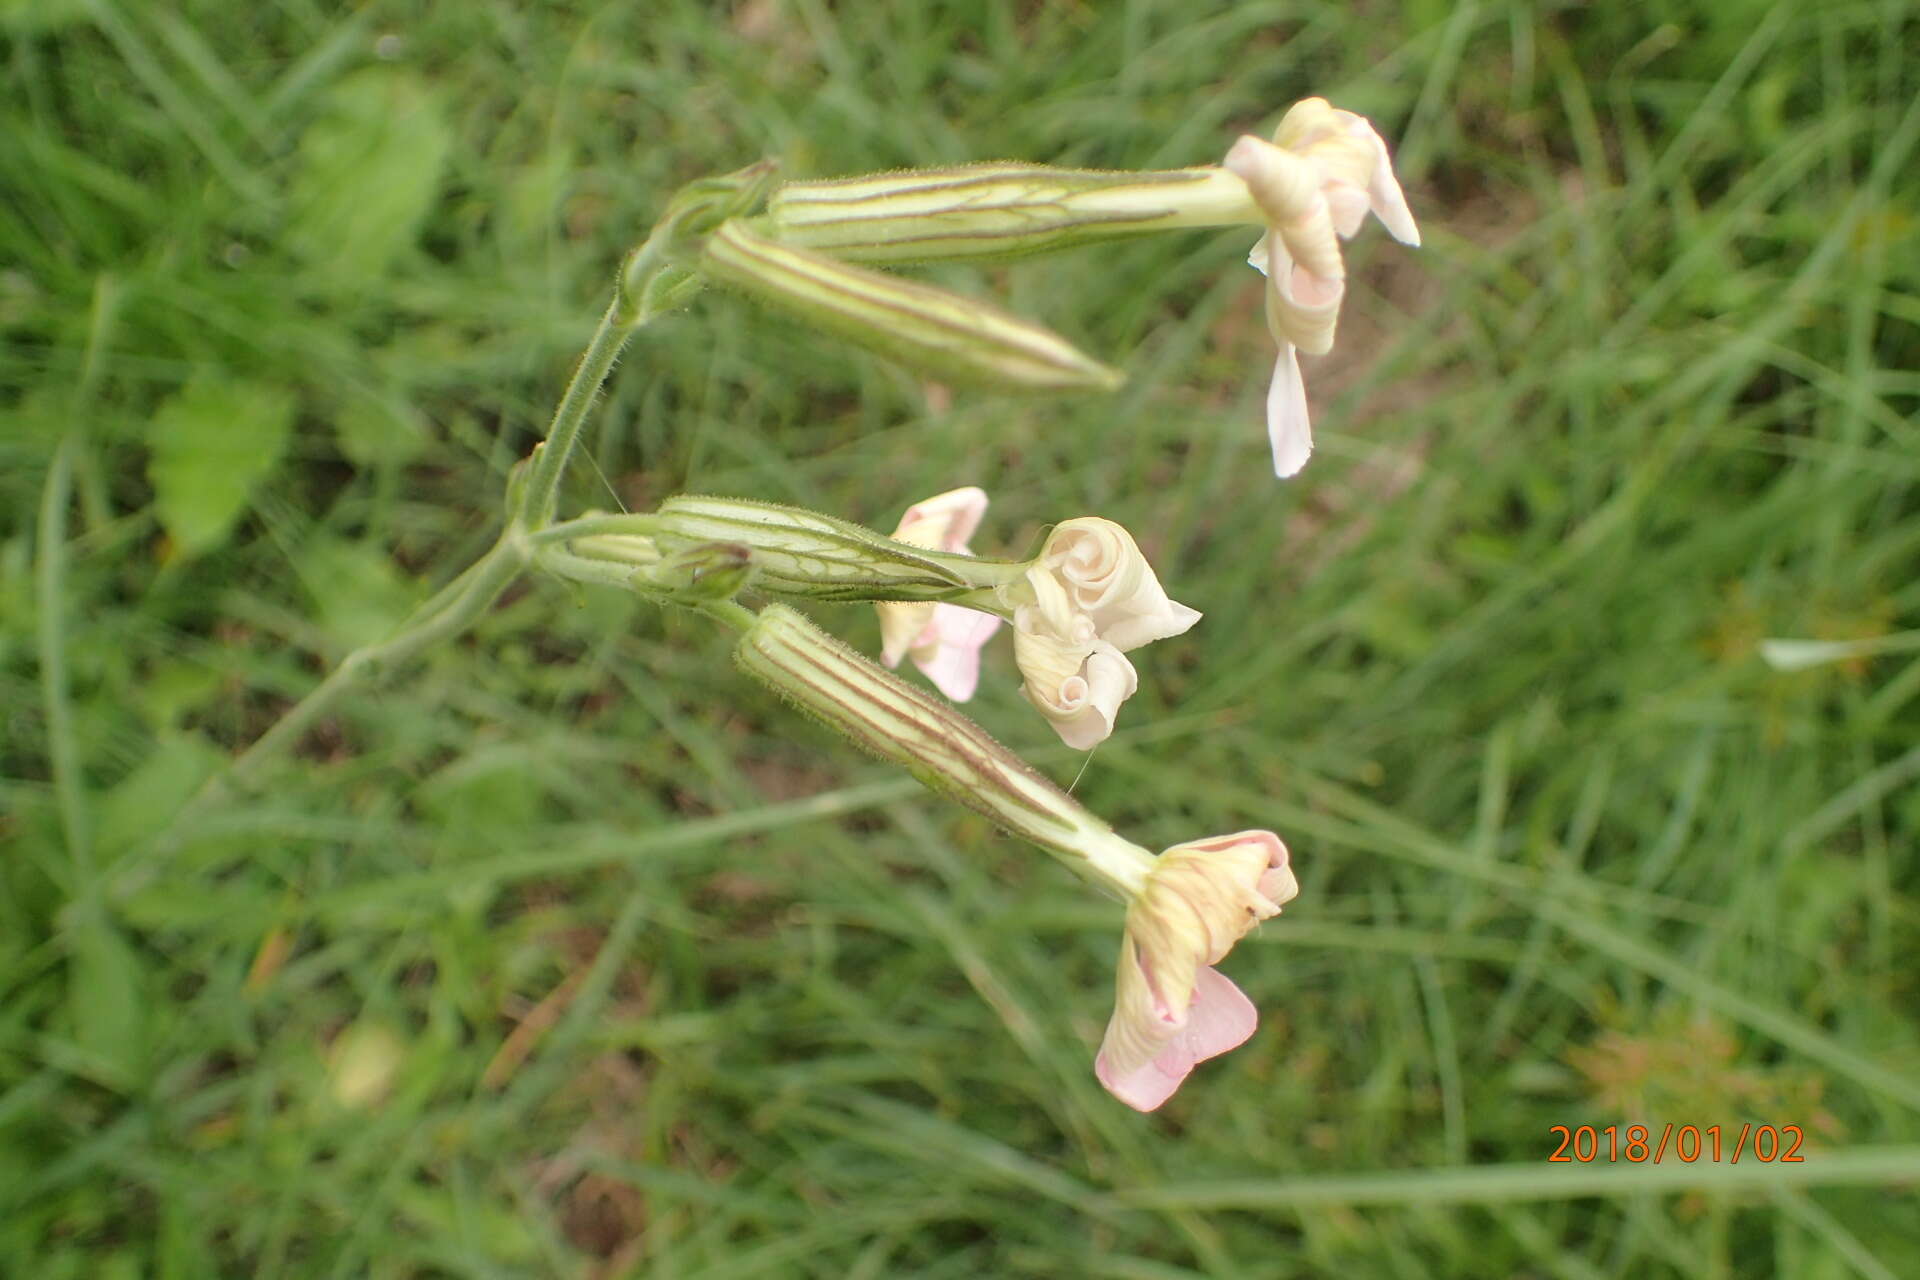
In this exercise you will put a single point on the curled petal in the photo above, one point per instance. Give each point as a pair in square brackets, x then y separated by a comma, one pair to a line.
[1324, 171]
[1077, 685]
[1289, 190]
[1302, 308]
[1307, 122]
[1109, 581]
[1171, 1008]
[1202, 898]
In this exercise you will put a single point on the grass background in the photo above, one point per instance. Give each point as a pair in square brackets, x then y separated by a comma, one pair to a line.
[569, 952]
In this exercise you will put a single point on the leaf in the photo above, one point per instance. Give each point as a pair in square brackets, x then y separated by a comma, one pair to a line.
[360, 595]
[380, 430]
[106, 997]
[369, 168]
[154, 792]
[171, 689]
[210, 445]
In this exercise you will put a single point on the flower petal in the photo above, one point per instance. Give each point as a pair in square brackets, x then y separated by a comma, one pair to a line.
[1080, 706]
[952, 661]
[1288, 428]
[1109, 581]
[945, 521]
[1220, 1018]
[904, 626]
[1388, 201]
[1171, 619]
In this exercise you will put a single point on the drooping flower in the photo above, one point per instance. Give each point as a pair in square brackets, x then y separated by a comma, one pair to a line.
[1091, 597]
[1316, 182]
[943, 639]
[1172, 1009]
[1186, 908]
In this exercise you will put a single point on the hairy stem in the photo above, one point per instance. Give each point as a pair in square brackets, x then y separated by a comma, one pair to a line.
[550, 459]
[451, 611]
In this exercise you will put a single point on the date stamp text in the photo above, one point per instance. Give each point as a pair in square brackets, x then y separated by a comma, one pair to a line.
[1686, 1143]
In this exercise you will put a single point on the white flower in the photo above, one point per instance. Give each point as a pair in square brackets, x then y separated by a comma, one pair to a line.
[1111, 583]
[943, 639]
[1093, 597]
[1316, 181]
[1172, 1009]
[1073, 678]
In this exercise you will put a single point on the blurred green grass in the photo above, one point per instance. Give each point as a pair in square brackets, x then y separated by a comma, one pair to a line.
[570, 952]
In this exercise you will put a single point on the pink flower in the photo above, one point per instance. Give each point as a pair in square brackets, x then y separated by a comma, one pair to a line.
[1172, 1009]
[1316, 182]
[943, 639]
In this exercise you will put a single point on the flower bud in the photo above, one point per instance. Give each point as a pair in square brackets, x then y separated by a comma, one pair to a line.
[936, 744]
[802, 553]
[998, 211]
[654, 277]
[1172, 1009]
[702, 571]
[947, 335]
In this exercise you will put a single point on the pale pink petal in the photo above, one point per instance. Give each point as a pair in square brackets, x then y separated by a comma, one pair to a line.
[945, 521]
[1219, 1018]
[1302, 308]
[1348, 206]
[1388, 201]
[954, 663]
[1307, 290]
[1287, 425]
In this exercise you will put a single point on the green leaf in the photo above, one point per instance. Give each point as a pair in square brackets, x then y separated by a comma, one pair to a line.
[154, 792]
[368, 171]
[106, 996]
[211, 444]
[360, 595]
[377, 430]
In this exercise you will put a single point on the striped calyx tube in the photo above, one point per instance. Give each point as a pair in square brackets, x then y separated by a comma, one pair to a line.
[946, 335]
[796, 552]
[936, 744]
[999, 210]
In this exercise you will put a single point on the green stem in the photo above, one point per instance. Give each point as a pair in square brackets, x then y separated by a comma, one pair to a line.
[603, 573]
[589, 526]
[729, 613]
[452, 609]
[50, 587]
[450, 612]
[550, 460]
